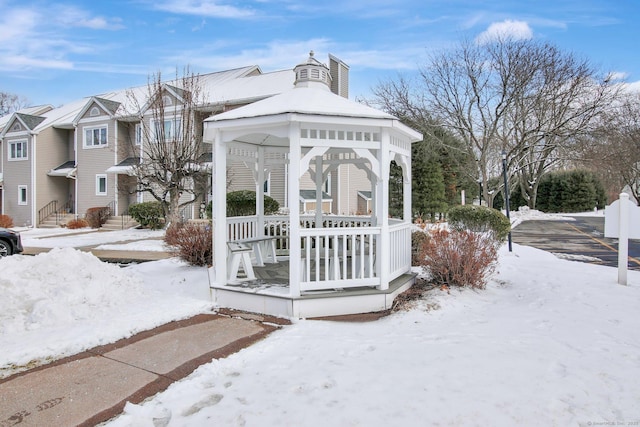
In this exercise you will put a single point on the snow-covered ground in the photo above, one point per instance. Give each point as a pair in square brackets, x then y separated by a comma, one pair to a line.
[549, 342]
[64, 301]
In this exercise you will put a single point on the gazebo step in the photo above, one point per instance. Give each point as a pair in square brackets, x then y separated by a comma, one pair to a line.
[318, 304]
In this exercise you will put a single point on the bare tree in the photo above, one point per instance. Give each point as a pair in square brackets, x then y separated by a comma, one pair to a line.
[171, 133]
[10, 102]
[612, 151]
[523, 97]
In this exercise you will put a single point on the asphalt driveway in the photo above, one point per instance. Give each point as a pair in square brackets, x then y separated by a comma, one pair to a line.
[580, 240]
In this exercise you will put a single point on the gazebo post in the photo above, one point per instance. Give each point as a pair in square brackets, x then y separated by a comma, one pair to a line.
[219, 210]
[295, 154]
[407, 215]
[382, 211]
[318, 191]
[260, 178]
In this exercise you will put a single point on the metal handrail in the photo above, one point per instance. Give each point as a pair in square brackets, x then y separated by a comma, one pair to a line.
[48, 210]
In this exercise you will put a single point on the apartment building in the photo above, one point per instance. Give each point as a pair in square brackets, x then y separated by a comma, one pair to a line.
[65, 160]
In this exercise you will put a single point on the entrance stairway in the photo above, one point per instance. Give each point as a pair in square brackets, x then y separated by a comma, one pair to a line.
[51, 222]
[119, 223]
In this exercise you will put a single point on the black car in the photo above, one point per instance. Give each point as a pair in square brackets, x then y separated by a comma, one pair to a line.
[10, 242]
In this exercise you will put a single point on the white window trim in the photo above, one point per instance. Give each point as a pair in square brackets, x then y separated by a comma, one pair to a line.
[26, 150]
[21, 201]
[138, 135]
[267, 183]
[171, 120]
[327, 185]
[92, 128]
[106, 190]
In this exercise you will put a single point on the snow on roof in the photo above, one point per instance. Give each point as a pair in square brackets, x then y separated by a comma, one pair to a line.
[304, 100]
[238, 85]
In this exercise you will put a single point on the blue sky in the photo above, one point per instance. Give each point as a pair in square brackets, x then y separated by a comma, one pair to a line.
[55, 51]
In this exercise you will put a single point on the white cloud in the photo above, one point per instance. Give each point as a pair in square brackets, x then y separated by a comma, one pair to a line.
[507, 29]
[46, 36]
[286, 54]
[617, 75]
[13, 62]
[210, 8]
[273, 55]
[70, 16]
[633, 87]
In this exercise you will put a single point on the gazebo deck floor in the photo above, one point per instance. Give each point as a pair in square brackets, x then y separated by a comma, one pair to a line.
[269, 294]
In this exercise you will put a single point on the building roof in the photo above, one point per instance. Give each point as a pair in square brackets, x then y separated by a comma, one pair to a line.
[67, 170]
[229, 87]
[30, 121]
[310, 196]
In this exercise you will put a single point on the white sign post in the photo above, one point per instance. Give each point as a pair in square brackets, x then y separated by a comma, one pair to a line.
[623, 240]
[620, 220]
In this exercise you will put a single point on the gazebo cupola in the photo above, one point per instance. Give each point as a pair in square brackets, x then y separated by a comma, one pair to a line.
[312, 73]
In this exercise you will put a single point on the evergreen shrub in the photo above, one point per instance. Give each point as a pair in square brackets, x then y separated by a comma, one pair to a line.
[148, 214]
[479, 219]
[243, 203]
[570, 191]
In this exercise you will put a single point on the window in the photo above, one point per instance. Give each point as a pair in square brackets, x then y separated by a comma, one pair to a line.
[266, 185]
[95, 111]
[168, 130]
[138, 136]
[95, 137]
[101, 185]
[327, 185]
[22, 195]
[18, 150]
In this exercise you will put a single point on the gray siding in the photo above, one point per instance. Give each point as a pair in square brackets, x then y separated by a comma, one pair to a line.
[91, 162]
[351, 180]
[17, 173]
[52, 151]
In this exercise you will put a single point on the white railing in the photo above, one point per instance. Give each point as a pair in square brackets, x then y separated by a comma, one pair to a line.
[242, 227]
[338, 257]
[400, 244]
[340, 254]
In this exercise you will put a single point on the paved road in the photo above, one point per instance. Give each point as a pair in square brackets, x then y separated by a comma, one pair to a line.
[582, 240]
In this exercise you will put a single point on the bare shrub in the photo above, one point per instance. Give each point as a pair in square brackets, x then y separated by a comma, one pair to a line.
[6, 221]
[77, 223]
[459, 258]
[418, 241]
[191, 242]
[96, 217]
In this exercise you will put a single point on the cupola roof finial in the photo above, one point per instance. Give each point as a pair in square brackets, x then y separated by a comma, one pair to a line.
[312, 73]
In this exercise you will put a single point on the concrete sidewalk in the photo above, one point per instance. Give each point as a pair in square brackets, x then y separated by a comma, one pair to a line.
[94, 386]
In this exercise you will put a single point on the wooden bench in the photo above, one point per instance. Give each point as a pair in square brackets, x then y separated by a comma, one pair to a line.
[262, 246]
[239, 254]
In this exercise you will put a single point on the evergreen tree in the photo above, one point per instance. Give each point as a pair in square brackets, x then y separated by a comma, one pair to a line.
[429, 199]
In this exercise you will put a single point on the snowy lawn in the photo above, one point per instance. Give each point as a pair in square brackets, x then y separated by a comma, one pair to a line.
[549, 342]
[65, 301]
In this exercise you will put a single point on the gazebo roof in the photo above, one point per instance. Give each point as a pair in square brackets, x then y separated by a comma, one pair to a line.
[312, 100]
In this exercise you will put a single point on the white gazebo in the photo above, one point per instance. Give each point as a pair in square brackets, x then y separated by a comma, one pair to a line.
[326, 264]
